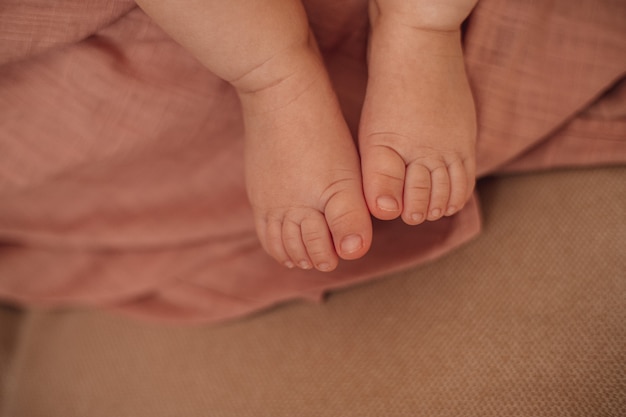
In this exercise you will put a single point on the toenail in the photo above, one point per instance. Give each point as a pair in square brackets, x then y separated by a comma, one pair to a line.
[323, 267]
[351, 243]
[451, 211]
[304, 265]
[417, 217]
[289, 264]
[435, 212]
[387, 203]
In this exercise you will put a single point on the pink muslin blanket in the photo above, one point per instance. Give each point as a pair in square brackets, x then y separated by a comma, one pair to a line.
[121, 177]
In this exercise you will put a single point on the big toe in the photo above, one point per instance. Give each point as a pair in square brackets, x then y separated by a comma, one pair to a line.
[349, 221]
[383, 180]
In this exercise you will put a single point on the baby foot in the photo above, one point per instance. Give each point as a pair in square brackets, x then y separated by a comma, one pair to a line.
[418, 126]
[302, 168]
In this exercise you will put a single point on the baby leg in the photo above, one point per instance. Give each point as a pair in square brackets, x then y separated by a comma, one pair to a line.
[302, 167]
[418, 127]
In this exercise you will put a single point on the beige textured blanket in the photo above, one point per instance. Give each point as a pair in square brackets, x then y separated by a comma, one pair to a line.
[121, 177]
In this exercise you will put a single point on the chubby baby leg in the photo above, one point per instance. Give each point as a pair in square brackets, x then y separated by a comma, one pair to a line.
[418, 127]
[302, 167]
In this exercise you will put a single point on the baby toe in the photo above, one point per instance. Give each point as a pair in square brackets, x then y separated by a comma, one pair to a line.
[439, 192]
[274, 243]
[349, 221]
[417, 189]
[383, 181]
[470, 168]
[293, 244]
[319, 243]
[458, 187]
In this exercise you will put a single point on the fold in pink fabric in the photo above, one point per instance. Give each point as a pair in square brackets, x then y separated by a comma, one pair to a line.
[121, 177]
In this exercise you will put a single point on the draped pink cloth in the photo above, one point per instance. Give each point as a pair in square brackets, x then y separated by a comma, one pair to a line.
[121, 177]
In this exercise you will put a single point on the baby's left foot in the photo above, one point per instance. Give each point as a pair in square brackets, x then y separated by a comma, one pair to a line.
[418, 127]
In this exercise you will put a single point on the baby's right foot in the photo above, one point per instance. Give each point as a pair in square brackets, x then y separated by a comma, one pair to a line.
[303, 175]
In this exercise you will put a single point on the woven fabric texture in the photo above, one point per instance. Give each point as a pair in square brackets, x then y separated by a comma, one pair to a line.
[527, 320]
[121, 157]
